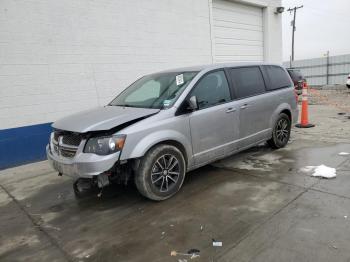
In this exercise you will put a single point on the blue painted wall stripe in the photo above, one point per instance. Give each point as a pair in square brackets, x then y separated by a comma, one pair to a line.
[23, 145]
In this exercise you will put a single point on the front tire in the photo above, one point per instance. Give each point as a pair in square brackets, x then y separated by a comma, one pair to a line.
[281, 132]
[161, 172]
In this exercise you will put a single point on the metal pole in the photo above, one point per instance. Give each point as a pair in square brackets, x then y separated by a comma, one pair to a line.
[327, 67]
[295, 12]
[294, 9]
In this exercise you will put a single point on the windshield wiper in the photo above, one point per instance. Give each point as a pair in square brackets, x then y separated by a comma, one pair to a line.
[125, 105]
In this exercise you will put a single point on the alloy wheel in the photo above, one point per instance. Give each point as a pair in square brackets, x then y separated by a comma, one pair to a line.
[282, 130]
[165, 172]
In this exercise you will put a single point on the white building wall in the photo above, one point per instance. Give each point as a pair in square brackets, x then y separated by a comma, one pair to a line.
[272, 32]
[60, 57]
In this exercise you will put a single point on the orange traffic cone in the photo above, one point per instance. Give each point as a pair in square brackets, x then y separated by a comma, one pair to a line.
[304, 123]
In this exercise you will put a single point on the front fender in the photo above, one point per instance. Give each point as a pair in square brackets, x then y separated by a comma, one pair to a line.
[157, 137]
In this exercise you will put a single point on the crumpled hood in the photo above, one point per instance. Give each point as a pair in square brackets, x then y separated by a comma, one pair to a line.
[101, 118]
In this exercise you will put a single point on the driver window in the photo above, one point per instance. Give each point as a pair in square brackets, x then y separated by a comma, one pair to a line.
[150, 90]
[212, 90]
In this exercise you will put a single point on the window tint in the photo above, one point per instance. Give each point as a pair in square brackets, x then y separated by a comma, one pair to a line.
[295, 75]
[212, 90]
[247, 81]
[278, 77]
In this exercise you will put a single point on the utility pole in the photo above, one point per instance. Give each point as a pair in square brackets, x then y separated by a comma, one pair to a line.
[327, 76]
[294, 9]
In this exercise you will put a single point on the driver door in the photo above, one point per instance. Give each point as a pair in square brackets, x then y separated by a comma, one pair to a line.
[215, 125]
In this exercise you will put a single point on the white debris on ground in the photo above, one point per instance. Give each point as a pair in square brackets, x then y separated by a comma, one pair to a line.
[217, 244]
[320, 171]
[343, 153]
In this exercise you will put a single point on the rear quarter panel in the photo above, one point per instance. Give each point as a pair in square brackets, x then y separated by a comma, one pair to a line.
[288, 102]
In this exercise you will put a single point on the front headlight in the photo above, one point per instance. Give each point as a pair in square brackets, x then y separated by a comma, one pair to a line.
[105, 145]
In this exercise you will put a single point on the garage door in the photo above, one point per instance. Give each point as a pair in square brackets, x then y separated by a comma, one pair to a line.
[237, 32]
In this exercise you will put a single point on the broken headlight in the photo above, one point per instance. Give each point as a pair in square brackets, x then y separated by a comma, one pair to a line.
[105, 145]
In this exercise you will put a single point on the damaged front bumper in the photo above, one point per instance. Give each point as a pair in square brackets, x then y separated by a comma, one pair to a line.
[82, 165]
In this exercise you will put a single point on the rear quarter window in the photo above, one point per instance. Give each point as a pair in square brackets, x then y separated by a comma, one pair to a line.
[278, 77]
[295, 75]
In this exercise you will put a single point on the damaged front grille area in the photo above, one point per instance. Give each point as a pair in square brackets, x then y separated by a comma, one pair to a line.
[65, 144]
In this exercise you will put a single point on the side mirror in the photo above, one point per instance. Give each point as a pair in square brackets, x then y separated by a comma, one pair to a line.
[192, 103]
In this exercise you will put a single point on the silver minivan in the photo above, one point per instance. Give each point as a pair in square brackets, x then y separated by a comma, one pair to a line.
[168, 123]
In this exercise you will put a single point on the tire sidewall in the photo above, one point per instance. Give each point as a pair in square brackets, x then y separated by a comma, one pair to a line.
[148, 189]
[276, 141]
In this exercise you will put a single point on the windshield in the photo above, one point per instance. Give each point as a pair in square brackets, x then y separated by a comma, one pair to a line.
[154, 91]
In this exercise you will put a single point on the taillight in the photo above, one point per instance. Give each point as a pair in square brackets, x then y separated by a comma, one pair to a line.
[296, 96]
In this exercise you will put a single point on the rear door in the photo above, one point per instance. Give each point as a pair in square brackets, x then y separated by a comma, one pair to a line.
[214, 126]
[254, 104]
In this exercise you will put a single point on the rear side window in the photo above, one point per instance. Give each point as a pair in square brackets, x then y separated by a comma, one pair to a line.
[212, 90]
[247, 81]
[278, 77]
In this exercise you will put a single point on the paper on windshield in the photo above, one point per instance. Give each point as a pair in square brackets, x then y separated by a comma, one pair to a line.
[167, 102]
[179, 79]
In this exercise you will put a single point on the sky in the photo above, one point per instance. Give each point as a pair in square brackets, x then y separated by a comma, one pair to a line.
[321, 26]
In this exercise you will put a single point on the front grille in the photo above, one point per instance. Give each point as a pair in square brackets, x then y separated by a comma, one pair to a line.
[66, 144]
[71, 139]
[67, 153]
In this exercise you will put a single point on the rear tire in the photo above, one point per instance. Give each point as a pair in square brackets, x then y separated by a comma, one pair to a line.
[280, 132]
[161, 172]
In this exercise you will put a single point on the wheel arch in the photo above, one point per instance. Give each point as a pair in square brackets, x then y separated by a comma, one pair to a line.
[282, 108]
[176, 144]
[162, 137]
[288, 113]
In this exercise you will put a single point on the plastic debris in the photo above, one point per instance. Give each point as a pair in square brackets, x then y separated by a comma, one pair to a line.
[343, 153]
[202, 228]
[345, 217]
[192, 253]
[163, 235]
[320, 171]
[324, 171]
[182, 260]
[217, 243]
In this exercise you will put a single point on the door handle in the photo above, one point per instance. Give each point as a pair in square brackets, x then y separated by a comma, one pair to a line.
[230, 109]
[244, 106]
